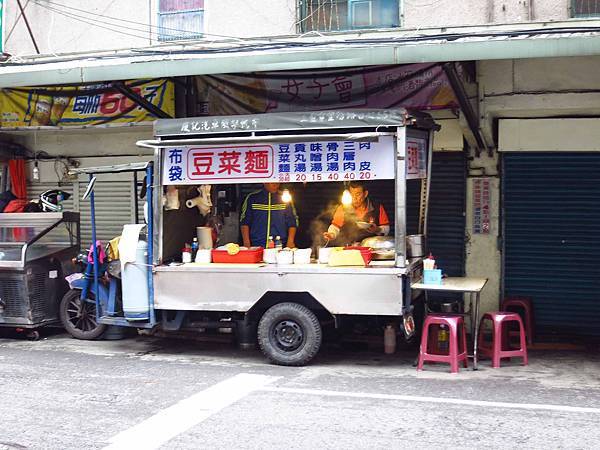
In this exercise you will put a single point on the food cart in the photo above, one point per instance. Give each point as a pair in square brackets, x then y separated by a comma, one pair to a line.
[35, 252]
[283, 306]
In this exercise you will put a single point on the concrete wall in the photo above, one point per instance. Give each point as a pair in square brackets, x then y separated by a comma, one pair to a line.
[62, 29]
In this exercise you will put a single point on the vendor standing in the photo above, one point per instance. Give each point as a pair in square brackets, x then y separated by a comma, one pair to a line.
[363, 218]
[264, 214]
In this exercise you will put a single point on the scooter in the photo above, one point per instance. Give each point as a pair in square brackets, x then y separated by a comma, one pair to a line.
[78, 307]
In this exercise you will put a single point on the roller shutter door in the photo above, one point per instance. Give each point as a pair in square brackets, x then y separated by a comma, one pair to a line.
[551, 240]
[114, 206]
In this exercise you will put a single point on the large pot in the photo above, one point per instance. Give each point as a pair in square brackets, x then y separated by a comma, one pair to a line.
[416, 246]
[384, 247]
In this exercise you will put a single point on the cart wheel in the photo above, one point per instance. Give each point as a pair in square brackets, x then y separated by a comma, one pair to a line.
[289, 334]
[79, 317]
[33, 335]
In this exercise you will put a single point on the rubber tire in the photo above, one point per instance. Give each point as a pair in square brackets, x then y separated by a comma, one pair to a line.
[310, 326]
[69, 327]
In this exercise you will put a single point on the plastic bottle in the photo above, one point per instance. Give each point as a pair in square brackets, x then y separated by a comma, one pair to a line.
[59, 200]
[278, 243]
[186, 254]
[195, 247]
[270, 242]
[443, 336]
[389, 340]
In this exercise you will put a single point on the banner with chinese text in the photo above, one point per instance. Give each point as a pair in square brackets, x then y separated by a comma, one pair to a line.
[287, 163]
[416, 86]
[92, 104]
[416, 158]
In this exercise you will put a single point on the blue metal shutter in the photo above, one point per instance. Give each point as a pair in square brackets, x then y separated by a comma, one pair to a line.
[551, 240]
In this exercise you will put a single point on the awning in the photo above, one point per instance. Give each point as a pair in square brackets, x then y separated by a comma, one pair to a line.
[378, 47]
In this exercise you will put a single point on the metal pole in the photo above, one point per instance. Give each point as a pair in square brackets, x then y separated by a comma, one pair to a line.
[95, 253]
[149, 200]
[400, 196]
[136, 207]
[28, 27]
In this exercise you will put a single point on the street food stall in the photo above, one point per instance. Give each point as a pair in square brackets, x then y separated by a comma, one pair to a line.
[282, 298]
[35, 250]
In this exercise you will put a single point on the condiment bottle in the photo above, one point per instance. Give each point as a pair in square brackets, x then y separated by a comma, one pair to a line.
[270, 242]
[278, 243]
[186, 254]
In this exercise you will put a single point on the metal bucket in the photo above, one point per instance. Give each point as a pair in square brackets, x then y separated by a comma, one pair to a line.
[416, 246]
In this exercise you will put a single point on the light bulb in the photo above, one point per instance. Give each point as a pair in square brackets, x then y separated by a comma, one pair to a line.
[36, 172]
[346, 198]
[286, 196]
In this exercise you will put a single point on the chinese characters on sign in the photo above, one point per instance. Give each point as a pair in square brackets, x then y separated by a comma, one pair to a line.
[481, 206]
[416, 158]
[293, 162]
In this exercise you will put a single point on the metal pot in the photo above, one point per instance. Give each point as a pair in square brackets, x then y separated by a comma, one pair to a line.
[416, 247]
[384, 247]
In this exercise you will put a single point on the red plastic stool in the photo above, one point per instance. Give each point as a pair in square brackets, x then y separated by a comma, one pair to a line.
[525, 303]
[500, 338]
[455, 325]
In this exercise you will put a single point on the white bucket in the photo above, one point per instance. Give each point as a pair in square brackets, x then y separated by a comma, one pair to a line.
[324, 253]
[203, 256]
[302, 256]
[270, 255]
[285, 257]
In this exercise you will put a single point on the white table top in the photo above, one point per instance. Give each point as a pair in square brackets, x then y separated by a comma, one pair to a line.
[454, 284]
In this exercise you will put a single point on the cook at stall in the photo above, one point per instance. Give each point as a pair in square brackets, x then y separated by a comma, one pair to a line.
[265, 213]
[363, 217]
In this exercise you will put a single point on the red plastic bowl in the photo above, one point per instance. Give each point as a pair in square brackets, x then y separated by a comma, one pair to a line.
[365, 252]
[242, 257]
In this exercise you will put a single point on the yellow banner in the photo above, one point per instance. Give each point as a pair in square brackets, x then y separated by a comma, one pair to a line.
[92, 104]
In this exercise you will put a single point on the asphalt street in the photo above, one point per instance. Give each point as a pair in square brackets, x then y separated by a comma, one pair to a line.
[147, 392]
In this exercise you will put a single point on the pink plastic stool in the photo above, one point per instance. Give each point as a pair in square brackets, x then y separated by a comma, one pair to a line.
[455, 326]
[524, 303]
[500, 338]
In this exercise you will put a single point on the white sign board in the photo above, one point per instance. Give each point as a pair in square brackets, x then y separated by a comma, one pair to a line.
[416, 158]
[287, 163]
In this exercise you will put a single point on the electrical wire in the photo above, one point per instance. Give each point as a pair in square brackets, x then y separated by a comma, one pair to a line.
[146, 25]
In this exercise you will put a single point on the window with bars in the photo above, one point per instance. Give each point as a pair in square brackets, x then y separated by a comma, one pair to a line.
[340, 15]
[585, 8]
[180, 19]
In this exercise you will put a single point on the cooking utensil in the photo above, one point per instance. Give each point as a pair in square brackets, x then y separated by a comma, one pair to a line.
[384, 247]
[416, 246]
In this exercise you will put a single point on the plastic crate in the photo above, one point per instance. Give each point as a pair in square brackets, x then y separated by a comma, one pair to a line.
[251, 256]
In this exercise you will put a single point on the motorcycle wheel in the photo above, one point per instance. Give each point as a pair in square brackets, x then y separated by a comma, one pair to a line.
[79, 317]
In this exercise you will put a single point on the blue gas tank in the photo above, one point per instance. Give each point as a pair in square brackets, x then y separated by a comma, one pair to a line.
[134, 282]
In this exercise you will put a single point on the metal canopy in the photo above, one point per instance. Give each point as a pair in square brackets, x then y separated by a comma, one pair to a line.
[370, 47]
[366, 118]
[131, 167]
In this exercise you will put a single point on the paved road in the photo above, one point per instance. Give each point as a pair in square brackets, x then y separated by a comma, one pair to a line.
[59, 393]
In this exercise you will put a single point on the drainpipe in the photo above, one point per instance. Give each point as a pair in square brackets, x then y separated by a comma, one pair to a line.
[530, 10]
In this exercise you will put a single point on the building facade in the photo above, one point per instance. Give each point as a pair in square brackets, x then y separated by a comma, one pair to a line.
[535, 116]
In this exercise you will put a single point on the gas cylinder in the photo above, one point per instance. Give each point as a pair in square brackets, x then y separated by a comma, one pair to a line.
[389, 340]
[134, 282]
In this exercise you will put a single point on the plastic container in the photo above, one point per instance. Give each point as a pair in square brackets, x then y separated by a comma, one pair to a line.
[204, 235]
[365, 252]
[270, 255]
[432, 276]
[389, 340]
[203, 256]
[302, 256]
[250, 256]
[134, 277]
[285, 257]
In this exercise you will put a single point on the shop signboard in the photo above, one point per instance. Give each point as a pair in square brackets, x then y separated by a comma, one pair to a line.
[297, 162]
[91, 104]
[416, 158]
[481, 206]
